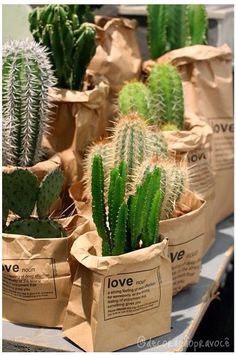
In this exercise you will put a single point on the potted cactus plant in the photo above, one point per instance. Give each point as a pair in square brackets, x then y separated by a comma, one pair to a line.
[124, 256]
[26, 78]
[161, 104]
[177, 36]
[39, 246]
[79, 99]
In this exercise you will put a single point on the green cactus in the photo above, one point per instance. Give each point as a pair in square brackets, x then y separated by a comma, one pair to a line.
[167, 103]
[157, 17]
[134, 97]
[173, 182]
[49, 191]
[125, 226]
[71, 42]
[26, 78]
[175, 26]
[36, 228]
[21, 192]
[197, 18]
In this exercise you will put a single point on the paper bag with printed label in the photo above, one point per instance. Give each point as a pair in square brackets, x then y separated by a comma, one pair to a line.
[116, 300]
[38, 275]
[80, 118]
[186, 240]
[193, 145]
[117, 56]
[208, 91]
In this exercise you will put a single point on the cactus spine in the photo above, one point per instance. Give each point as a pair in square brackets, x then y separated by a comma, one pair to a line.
[173, 182]
[175, 26]
[132, 142]
[134, 97]
[71, 42]
[21, 192]
[167, 103]
[26, 77]
[124, 227]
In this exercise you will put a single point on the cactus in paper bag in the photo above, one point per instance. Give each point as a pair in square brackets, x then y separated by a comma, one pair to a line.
[173, 182]
[22, 193]
[134, 97]
[122, 224]
[167, 103]
[71, 42]
[26, 77]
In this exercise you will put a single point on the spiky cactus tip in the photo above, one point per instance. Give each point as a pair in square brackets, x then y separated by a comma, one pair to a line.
[71, 42]
[134, 97]
[167, 103]
[26, 77]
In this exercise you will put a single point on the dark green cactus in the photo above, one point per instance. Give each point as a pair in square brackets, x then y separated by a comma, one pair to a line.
[167, 102]
[134, 97]
[71, 42]
[125, 226]
[26, 78]
[36, 228]
[157, 16]
[175, 26]
[21, 193]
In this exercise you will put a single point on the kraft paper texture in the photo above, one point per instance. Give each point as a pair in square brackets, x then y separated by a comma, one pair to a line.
[115, 300]
[37, 275]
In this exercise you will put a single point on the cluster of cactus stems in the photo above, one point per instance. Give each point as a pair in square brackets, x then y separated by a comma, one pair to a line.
[173, 182]
[131, 142]
[160, 103]
[71, 41]
[22, 193]
[125, 224]
[26, 76]
[175, 26]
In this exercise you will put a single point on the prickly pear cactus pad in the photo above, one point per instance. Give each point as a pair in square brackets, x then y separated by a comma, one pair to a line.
[49, 191]
[36, 228]
[22, 191]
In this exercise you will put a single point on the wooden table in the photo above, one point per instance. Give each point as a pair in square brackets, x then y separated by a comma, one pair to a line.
[188, 309]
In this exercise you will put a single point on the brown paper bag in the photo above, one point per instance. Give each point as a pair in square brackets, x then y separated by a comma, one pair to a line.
[115, 300]
[80, 118]
[37, 275]
[194, 146]
[207, 81]
[186, 240]
[117, 57]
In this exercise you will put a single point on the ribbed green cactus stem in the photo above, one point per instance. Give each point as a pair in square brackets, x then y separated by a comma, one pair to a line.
[178, 33]
[156, 144]
[104, 148]
[198, 23]
[157, 17]
[134, 97]
[173, 181]
[71, 42]
[98, 203]
[120, 233]
[167, 103]
[26, 78]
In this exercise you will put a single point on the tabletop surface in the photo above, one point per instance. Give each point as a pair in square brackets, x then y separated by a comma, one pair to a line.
[188, 309]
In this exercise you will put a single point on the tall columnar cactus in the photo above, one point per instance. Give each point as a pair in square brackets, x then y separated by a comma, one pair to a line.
[157, 29]
[167, 103]
[134, 97]
[26, 77]
[125, 225]
[173, 182]
[132, 142]
[71, 42]
[21, 192]
[175, 26]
